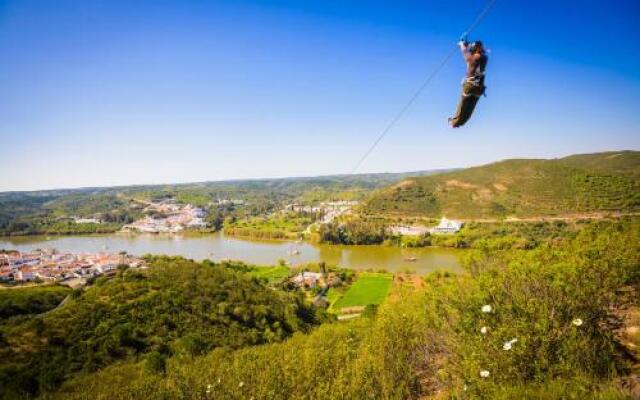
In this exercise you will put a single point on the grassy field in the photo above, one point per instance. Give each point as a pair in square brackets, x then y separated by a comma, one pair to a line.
[370, 288]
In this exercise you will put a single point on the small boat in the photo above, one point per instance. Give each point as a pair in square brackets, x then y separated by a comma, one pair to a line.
[294, 252]
[411, 259]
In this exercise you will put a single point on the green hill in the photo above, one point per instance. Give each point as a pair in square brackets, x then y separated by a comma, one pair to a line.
[599, 182]
[176, 307]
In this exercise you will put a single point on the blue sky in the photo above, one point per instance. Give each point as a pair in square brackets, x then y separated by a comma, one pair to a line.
[98, 93]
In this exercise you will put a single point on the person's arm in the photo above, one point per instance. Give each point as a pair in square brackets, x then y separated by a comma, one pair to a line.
[464, 48]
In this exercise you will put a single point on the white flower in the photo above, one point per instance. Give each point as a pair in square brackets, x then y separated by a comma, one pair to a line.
[208, 388]
[507, 345]
[464, 388]
[241, 384]
[486, 308]
[219, 380]
[484, 330]
[577, 322]
[484, 373]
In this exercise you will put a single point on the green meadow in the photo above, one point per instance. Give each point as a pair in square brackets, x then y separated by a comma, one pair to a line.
[370, 288]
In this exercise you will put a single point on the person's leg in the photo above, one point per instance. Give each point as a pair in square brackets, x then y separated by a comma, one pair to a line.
[468, 105]
[453, 121]
[465, 108]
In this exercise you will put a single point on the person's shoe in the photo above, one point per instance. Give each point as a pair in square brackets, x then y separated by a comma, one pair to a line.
[450, 122]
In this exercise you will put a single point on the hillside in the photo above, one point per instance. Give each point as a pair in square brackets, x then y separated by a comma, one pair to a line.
[175, 307]
[599, 182]
[435, 339]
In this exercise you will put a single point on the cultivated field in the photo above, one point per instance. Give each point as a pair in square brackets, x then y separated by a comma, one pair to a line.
[370, 288]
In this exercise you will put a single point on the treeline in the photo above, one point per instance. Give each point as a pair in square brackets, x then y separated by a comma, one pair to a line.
[258, 233]
[353, 231]
[176, 307]
[473, 235]
[534, 325]
[37, 215]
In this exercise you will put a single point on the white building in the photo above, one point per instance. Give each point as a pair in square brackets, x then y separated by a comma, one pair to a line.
[24, 275]
[447, 226]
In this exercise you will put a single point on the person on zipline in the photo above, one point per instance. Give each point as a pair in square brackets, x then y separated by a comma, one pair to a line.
[473, 83]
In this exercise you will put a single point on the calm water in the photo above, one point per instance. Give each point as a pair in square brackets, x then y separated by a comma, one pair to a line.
[217, 247]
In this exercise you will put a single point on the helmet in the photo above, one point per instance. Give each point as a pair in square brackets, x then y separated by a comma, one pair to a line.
[473, 46]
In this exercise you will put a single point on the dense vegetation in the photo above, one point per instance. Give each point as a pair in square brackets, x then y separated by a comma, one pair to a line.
[277, 226]
[352, 231]
[51, 212]
[30, 300]
[477, 235]
[176, 307]
[559, 301]
[507, 235]
[602, 182]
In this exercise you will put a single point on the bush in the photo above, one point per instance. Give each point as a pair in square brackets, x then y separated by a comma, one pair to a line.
[155, 363]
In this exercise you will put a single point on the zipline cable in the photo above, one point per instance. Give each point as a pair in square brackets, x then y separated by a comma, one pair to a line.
[424, 85]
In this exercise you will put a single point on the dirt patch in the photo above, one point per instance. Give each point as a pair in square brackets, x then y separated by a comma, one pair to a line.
[500, 187]
[479, 193]
[405, 184]
[460, 184]
[626, 331]
[612, 156]
[409, 279]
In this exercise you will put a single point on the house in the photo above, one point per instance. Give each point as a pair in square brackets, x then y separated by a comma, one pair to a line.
[307, 278]
[25, 275]
[447, 226]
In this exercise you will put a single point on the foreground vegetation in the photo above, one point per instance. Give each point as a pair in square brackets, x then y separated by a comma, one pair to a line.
[176, 307]
[534, 324]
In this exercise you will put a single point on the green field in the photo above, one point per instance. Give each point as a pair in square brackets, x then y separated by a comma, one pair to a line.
[370, 288]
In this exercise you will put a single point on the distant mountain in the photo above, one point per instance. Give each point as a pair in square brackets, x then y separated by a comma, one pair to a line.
[598, 182]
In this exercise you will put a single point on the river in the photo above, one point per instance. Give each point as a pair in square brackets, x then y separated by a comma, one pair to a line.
[218, 247]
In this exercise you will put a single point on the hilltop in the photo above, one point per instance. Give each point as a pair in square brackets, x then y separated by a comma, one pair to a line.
[585, 183]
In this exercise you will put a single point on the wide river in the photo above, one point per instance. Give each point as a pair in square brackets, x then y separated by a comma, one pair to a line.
[219, 247]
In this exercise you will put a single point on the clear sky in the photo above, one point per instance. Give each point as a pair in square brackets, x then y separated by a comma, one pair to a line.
[98, 93]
